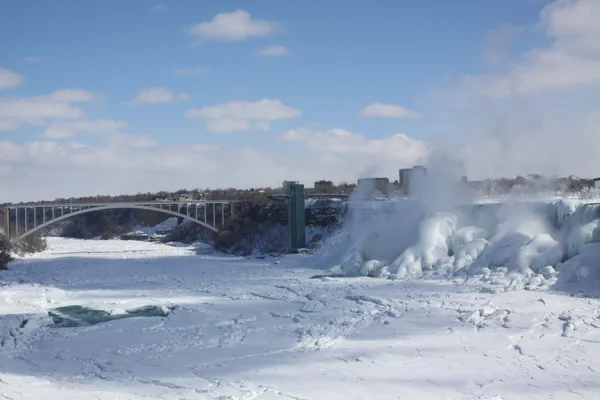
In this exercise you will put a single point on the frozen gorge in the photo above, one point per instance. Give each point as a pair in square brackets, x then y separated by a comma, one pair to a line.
[96, 319]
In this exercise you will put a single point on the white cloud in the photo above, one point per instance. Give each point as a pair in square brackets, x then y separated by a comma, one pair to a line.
[128, 165]
[496, 50]
[123, 165]
[545, 70]
[68, 96]
[388, 110]
[9, 79]
[347, 156]
[265, 109]
[156, 95]
[190, 72]
[237, 115]
[571, 59]
[109, 130]
[9, 124]
[262, 126]
[554, 147]
[35, 110]
[530, 112]
[32, 110]
[234, 26]
[274, 51]
[574, 23]
[227, 125]
[136, 141]
[32, 59]
[398, 148]
[160, 7]
[68, 129]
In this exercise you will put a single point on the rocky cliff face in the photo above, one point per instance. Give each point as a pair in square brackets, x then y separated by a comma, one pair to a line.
[263, 228]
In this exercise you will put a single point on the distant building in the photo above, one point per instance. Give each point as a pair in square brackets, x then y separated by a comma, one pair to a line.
[324, 187]
[287, 184]
[374, 186]
[346, 188]
[419, 170]
[408, 176]
[404, 179]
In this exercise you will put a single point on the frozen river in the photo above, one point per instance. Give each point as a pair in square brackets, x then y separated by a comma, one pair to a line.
[222, 327]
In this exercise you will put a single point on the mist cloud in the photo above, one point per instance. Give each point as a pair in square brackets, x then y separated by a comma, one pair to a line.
[534, 112]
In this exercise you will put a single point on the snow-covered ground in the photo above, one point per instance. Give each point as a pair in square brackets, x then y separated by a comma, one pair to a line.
[239, 328]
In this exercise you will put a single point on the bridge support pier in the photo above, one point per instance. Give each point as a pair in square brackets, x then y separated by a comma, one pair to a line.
[296, 216]
[6, 211]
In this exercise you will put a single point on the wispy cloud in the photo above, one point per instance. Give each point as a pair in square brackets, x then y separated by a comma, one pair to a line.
[68, 129]
[388, 110]
[274, 51]
[160, 7]
[237, 115]
[57, 105]
[234, 26]
[9, 79]
[156, 95]
[191, 72]
[32, 59]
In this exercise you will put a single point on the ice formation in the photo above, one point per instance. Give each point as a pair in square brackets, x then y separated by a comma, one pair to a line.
[511, 245]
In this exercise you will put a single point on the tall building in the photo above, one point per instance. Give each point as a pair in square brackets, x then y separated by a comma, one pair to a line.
[404, 179]
[419, 170]
[408, 176]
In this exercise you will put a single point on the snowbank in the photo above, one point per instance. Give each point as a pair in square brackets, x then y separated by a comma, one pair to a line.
[512, 245]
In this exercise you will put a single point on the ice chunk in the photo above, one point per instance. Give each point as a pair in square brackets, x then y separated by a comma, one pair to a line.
[580, 235]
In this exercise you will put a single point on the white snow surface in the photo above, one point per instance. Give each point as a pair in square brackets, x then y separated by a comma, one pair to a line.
[246, 328]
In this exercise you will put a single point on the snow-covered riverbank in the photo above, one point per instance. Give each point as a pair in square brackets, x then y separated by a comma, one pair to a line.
[238, 328]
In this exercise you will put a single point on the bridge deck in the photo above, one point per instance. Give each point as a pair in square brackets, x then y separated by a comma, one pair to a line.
[107, 203]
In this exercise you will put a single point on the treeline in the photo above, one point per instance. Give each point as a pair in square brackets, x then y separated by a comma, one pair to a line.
[260, 195]
[264, 227]
[254, 195]
[531, 184]
[99, 224]
[31, 244]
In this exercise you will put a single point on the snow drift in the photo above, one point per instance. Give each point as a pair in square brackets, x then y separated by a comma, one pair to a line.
[512, 245]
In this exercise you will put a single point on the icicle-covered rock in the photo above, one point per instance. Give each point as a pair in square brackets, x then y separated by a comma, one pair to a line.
[513, 246]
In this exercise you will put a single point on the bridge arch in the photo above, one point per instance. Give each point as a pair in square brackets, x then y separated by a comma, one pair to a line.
[115, 207]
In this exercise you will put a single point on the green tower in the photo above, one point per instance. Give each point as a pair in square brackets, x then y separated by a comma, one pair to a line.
[296, 219]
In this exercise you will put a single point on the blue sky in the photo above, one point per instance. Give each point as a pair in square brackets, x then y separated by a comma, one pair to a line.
[332, 59]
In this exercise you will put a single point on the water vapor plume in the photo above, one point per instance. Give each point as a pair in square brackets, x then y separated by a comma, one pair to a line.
[441, 187]
[535, 111]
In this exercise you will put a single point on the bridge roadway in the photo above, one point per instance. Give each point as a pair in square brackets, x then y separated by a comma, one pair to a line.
[22, 220]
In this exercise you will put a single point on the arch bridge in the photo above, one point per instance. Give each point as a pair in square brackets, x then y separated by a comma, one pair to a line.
[22, 220]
